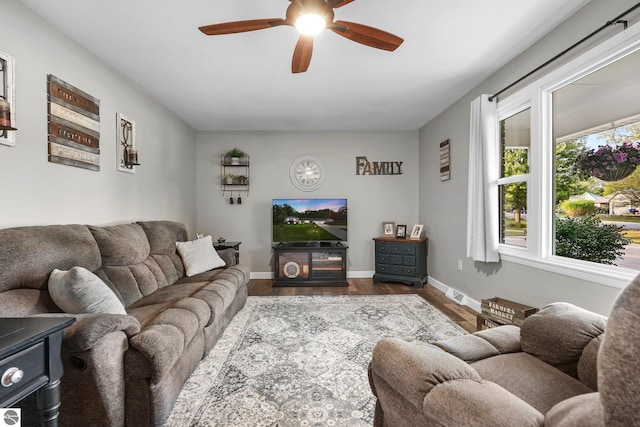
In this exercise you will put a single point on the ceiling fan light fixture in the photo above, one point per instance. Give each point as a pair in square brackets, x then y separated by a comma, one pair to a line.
[310, 23]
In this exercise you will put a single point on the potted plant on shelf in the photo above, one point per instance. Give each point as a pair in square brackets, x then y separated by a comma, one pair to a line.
[235, 155]
[610, 162]
[228, 178]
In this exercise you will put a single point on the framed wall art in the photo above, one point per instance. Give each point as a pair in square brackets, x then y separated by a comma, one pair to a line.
[445, 160]
[74, 125]
[127, 158]
[8, 96]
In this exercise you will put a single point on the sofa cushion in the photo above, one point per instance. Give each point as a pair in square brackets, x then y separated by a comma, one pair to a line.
[532, 380]
[29, 254]
[579, 411]
[80, 291]
[123, 244]
[167, 331]
[128, 266]
[199, 256]
[558, 334]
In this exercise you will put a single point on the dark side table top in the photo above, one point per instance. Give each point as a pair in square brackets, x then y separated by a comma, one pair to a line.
[20, 332]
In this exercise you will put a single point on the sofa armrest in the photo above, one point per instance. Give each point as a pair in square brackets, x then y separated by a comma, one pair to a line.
[478, 403]
[89, 329]
[444, 389]
[413, 370]
[559, 333]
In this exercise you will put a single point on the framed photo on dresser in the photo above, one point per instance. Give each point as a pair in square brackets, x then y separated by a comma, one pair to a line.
[388, 228]
[416, 233]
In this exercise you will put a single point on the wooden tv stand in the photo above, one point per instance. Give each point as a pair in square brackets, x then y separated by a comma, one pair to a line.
[310, 265]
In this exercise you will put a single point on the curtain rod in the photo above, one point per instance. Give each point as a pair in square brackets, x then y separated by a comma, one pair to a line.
[614, 21]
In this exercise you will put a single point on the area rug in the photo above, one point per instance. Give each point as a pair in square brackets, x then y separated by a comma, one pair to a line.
[302, 360]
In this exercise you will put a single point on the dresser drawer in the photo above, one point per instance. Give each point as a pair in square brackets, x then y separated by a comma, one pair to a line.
[409, 260]
[396, 259]
[396, 270]
[383, 258]
[409, 271]
[383, 268]
[382, 247]
[31, 362]
[409, 249]
[395, 248]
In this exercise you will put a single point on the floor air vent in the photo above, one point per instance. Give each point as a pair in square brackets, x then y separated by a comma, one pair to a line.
[458, 297]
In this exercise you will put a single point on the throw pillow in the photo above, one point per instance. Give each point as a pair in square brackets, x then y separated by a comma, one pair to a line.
[199, 256]
[80, 291]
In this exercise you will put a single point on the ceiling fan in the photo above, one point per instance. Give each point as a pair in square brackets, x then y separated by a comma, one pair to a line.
[311, 17]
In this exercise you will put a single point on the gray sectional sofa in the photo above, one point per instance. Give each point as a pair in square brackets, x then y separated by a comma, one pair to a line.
[566, 367]
[122, 369]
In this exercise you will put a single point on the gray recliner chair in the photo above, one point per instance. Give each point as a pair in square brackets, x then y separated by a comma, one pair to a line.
[562, 368]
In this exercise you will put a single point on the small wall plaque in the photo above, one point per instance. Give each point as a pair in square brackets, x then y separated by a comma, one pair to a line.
[445, 161]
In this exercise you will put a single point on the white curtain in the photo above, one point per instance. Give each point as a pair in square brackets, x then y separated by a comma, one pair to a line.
[484, 169]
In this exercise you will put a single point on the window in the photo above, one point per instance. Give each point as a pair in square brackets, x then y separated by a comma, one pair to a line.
[545, 131]
[515, 140]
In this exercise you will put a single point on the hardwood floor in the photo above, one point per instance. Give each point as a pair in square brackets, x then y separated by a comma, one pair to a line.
[462, 315]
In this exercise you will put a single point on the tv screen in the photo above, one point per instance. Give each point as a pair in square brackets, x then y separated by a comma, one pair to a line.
[309, 220]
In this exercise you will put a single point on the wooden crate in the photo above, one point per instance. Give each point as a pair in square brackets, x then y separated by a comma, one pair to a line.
[484, 322]
[505, 311]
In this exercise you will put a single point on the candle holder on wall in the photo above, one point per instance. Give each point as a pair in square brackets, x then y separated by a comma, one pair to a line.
[128, 154]
[7, 99]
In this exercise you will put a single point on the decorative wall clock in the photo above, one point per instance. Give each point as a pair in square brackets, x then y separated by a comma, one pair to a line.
[307, 173]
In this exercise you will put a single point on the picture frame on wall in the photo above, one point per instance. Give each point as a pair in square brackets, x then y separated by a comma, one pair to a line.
[416, 233]
[388, 228]
[401, 232]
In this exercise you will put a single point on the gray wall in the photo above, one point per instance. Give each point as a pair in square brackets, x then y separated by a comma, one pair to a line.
[35, 191]
[445, 221]
[371, 199]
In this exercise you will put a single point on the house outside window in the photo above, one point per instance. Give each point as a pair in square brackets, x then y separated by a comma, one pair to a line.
[547, 191]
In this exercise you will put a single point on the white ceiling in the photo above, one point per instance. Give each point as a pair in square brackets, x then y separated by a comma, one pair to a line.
[244, 81]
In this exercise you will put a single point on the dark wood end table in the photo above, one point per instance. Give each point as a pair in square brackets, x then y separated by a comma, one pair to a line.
[30, 361]
[229, 245]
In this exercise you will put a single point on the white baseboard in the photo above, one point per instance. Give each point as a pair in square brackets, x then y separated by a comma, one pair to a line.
[350, 274]
[455, 295]
[261, 275]
[447, 290]
[360, 274]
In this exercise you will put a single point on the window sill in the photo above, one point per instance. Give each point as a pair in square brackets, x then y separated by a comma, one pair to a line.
[611, 276]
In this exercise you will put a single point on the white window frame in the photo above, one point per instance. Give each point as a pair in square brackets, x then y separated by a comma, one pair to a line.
[540, 202]
[505, 110]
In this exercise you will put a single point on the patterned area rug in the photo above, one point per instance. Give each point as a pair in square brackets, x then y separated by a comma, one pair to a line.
[302, 360]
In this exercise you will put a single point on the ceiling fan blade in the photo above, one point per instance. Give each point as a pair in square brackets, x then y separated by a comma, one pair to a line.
[339, 3]
[368, 36]
[302, 54]
[241, 26]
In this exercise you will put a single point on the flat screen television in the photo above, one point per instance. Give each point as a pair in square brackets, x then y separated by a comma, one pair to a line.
[309, 221]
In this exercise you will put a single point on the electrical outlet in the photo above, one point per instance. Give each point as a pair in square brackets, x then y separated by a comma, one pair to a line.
[460, 264]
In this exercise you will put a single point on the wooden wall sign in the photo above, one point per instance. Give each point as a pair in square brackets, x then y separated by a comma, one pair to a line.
[365, 167]
[74, 125]
[445, 161]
